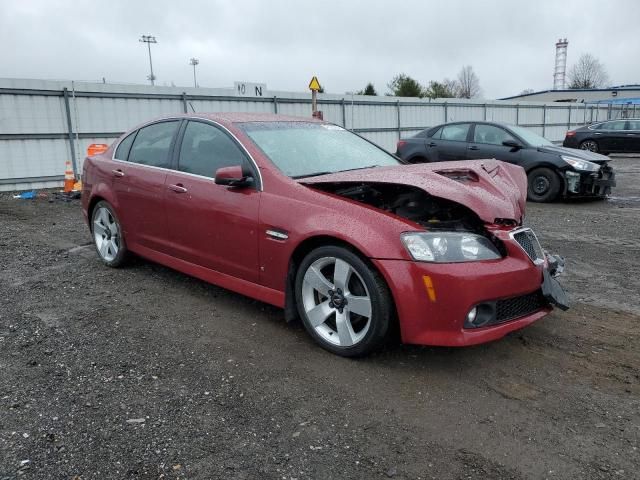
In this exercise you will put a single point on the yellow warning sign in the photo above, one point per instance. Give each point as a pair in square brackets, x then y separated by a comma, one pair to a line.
[314, 84]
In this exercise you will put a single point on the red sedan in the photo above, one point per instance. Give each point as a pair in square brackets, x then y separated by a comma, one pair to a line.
[307, 216]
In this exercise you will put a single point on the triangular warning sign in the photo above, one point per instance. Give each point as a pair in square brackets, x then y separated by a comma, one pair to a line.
[314, 84]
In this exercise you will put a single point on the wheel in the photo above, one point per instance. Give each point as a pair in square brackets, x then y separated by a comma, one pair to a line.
[590, 145]
[543, 185]
[344, 304]
[107, 235]
[419, 160]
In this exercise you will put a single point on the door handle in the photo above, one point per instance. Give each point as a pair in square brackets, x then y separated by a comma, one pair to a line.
[473, 147]
[178, 188]
[117, 173]
[432, 144]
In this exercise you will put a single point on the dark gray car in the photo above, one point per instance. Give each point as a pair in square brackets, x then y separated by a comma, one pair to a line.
[552, 171]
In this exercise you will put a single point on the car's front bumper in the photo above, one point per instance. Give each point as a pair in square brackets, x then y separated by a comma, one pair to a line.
[433, 300]
[590, 184]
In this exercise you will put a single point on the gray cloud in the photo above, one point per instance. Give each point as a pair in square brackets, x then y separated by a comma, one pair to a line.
[346, 43]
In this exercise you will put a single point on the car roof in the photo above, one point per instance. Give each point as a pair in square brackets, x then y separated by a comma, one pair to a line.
[240, 117]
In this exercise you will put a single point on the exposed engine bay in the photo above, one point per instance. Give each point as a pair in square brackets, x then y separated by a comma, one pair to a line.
[412, 203]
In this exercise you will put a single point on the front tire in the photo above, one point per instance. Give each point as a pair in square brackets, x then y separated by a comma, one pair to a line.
[107, 235]
[345, 305]
[543, 185]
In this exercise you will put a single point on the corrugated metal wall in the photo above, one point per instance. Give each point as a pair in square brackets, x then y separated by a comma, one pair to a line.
[37, 136]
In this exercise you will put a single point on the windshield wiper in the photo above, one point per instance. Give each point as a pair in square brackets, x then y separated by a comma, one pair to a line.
[358, 168]
[315, 174]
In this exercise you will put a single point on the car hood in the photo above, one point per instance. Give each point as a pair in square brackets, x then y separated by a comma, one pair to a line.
[576, 153]
[490, 188]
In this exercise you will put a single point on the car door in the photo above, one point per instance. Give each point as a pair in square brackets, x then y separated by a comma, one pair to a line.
[211, 225]
[138, 183]
[611, 136]
[487, 143]
[632, 137]
[448, 143]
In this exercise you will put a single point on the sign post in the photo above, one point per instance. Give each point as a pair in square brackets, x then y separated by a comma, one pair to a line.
[314, 86]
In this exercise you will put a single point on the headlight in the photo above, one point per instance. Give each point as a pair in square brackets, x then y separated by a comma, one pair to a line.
[449, 247]
[580, 164]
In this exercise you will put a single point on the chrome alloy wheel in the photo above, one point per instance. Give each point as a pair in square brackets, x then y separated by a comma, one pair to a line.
[336, 301]
[106, 234]
[589, 145]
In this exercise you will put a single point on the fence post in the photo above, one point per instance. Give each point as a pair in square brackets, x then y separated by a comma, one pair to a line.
[65, 94]
[344, 113]
[184, 102]
[517, 114]
[446, 115]
[275, 104]
[484, 113]
[398, 112]
[609, 113]
[569, 120]
[544, 119]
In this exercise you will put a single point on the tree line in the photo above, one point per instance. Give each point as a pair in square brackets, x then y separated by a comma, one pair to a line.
[466, 85]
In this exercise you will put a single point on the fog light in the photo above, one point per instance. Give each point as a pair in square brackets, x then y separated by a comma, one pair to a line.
[471, 316]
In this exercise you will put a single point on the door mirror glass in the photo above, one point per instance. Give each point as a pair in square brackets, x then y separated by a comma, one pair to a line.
[233, 176]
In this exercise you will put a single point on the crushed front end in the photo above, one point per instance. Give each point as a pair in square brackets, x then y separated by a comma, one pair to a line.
[579, 183]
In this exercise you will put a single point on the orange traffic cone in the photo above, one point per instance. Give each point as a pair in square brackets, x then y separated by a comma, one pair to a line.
[69, 177]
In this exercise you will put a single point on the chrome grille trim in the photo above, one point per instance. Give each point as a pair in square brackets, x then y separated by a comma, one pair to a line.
[528, 242]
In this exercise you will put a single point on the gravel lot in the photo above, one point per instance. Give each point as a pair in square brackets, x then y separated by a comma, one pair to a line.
[143, 372]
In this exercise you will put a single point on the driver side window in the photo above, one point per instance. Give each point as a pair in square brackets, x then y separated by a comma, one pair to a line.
[206, 148]
[491, 135]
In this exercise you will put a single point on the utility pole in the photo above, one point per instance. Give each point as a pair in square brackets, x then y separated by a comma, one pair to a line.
[149, 39]
[194, 62]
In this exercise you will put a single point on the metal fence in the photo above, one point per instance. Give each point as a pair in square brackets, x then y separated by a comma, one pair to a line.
[45, 123]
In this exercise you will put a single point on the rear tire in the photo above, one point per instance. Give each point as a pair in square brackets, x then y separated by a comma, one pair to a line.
[107, 235]
[419, 160]
[590, 145]
[543, 185]
[344, 304]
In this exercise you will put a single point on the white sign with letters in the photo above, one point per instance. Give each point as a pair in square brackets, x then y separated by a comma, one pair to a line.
[248, 89]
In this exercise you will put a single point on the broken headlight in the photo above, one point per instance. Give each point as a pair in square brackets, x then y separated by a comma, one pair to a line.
[449, 247]
[580, 164]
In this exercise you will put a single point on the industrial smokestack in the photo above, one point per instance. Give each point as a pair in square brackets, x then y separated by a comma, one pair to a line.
[561, 64]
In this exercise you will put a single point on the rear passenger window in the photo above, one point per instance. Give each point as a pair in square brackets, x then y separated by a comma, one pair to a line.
[206, 148]
[457, 132]
[617, 125]
[490, 134]
[437, 133]
[151, 146]
[122, 152]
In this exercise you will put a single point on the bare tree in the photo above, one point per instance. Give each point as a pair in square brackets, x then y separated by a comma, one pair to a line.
[468, 83]
[587, 72]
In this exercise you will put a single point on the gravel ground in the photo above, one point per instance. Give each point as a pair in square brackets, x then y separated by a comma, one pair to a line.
[143, 372]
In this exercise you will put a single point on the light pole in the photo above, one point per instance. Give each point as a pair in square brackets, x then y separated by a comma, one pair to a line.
[194, 62]
[149, 39]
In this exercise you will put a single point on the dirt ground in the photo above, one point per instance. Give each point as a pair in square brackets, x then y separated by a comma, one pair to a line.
[143, 372]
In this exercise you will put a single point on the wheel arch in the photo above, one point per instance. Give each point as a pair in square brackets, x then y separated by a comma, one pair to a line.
[298, 254]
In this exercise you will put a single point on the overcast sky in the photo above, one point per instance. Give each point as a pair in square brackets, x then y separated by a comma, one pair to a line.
[510, 44]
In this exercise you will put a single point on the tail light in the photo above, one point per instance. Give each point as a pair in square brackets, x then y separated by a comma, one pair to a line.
[401, 144]
[571, 133]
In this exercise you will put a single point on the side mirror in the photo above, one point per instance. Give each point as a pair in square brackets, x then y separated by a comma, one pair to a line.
[233, 177]
[513, 144]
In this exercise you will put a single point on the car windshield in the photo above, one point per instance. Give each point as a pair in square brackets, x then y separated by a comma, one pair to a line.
[302, 149]
[528, 136]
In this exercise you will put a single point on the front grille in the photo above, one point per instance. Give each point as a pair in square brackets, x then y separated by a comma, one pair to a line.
[515, 307]
[529, 243]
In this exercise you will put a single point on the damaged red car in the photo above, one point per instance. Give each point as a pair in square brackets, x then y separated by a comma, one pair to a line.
[310, 217]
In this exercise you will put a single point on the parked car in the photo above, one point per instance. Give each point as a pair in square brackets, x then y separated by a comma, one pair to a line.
[552, 171]
[615, 136]
[312, 218]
